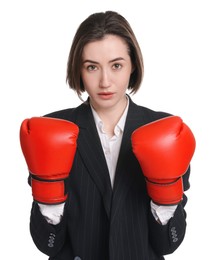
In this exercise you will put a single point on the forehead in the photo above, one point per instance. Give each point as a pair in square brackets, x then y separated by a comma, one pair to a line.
[109, 46]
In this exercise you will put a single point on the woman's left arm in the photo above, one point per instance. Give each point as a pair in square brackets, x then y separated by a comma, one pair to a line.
[165, 239]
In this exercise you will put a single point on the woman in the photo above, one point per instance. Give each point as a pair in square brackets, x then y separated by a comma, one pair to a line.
[113, 207]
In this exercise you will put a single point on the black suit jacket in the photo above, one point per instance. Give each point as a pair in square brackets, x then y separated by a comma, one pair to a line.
[101, 223]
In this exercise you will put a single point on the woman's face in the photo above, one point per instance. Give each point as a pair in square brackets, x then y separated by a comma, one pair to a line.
[105, 72]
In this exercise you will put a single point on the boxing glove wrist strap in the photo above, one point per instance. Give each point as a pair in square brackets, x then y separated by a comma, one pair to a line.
[49, 191]
[165, 193]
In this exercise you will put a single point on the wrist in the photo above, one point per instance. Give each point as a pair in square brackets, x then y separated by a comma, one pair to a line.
[165, 193]
[52, 213]
[162, 213]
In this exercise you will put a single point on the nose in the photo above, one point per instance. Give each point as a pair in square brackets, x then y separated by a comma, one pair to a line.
[105, 79]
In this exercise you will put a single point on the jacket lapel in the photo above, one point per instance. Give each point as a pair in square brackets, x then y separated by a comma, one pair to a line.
[89, 146]
[124, 172]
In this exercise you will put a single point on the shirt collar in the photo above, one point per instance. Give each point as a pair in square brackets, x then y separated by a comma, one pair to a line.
[121, 123]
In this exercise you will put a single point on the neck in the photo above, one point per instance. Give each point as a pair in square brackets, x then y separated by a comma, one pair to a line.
[111, 116]
[113, 113]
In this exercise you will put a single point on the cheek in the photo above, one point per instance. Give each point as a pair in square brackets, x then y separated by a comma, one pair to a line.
[89, 83]
[85, 80]
[124, 80]
[89, 78]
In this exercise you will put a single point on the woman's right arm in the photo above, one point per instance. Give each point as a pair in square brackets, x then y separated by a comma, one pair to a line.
[48, 238]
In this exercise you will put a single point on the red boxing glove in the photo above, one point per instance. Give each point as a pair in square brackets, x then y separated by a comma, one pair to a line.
[49, 147]
[164, 149]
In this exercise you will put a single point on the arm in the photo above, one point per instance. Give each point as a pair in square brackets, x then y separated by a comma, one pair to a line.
[52, 213]
[165, 239]
[162, 213]
[48, 238]
[164, 149]
[49, 147]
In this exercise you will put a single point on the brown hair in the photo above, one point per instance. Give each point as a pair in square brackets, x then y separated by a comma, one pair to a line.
[94, 28]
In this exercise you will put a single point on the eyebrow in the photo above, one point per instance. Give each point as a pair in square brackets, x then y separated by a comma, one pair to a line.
[95, 62]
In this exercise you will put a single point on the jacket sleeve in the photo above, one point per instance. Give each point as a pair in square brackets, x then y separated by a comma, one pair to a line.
[165, 239]
[48, 238]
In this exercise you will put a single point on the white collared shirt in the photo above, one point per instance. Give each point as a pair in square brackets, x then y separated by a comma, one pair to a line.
[111, 146]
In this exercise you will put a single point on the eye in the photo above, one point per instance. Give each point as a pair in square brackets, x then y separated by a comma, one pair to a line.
[117, 66]
[91, 67]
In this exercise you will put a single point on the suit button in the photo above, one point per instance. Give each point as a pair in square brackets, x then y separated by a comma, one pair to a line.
[174, 234]
[51, 240]
[77, 258]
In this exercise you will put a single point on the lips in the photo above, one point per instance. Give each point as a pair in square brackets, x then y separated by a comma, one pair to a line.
[105, 95]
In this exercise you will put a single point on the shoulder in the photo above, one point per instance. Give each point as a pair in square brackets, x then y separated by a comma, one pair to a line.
[154, 114]
[68, 113]
[62, 114]
[147, 114]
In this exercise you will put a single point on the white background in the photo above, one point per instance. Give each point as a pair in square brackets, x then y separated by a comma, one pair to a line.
[35, 37]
